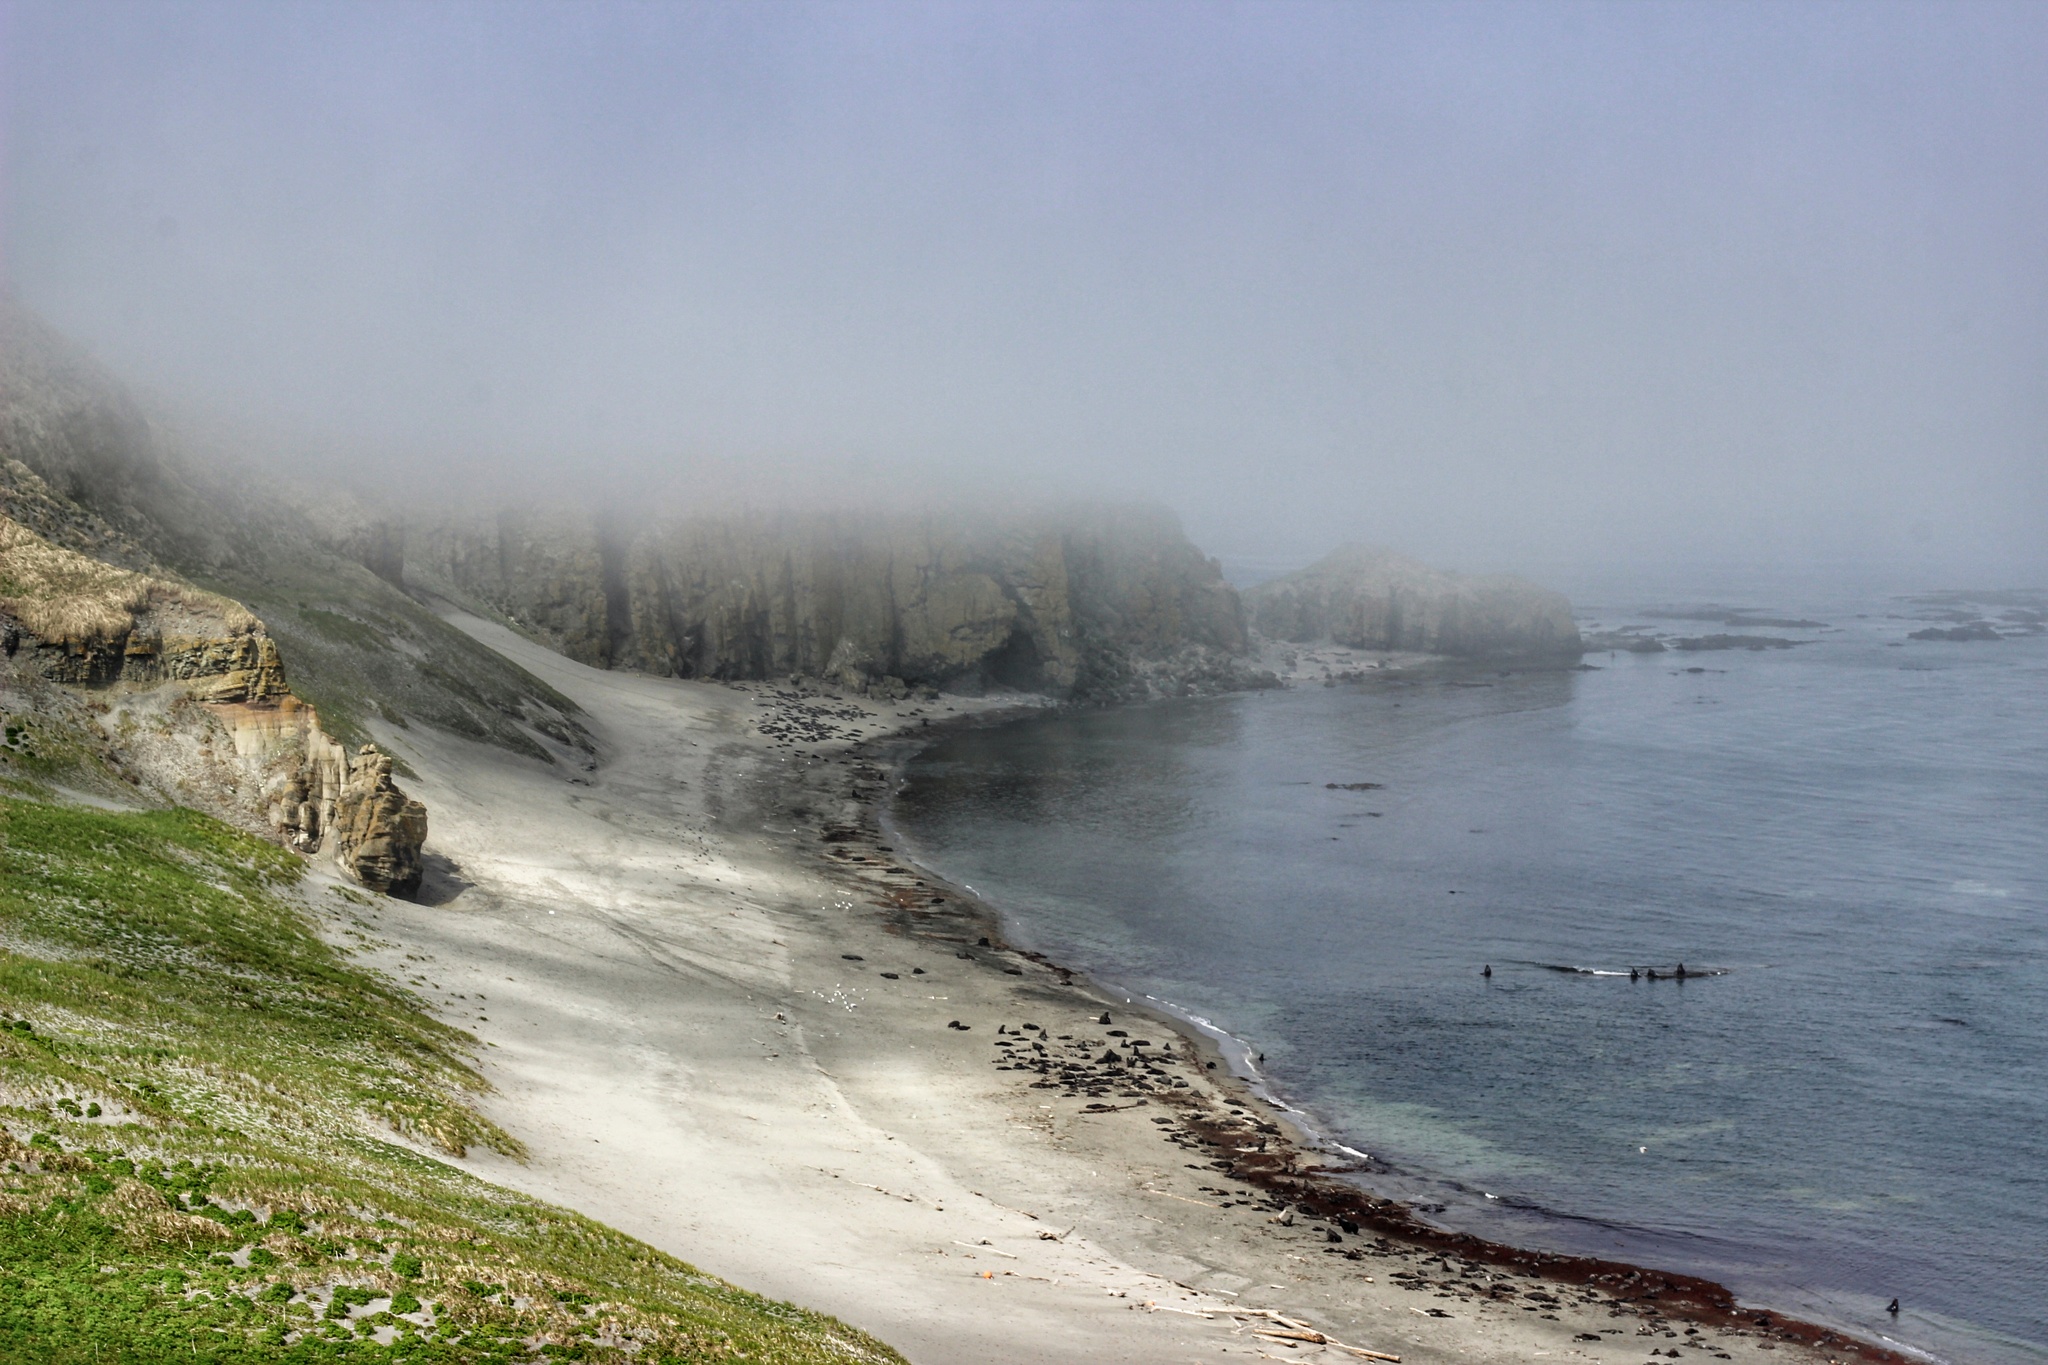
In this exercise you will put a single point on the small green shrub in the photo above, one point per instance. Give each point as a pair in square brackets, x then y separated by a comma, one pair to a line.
[406, 1266]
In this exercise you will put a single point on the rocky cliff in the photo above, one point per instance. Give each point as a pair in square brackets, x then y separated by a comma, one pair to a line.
[182, 693]
[1099, 603]
[89, 468]
[1366, 598]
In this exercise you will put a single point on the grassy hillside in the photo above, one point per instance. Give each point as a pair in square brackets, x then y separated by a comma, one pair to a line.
[200, 1102]
[358, 648]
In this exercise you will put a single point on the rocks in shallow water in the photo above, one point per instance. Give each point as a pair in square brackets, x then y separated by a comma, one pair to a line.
[1755, 642]
[1976, 630]
[1622, 641]
[1969, 616]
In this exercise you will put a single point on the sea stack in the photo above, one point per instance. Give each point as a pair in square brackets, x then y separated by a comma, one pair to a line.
[1362, 597]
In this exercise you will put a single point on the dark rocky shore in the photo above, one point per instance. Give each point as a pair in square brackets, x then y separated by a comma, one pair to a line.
[1161, 1071]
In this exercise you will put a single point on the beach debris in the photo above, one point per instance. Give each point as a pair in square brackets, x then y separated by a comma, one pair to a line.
[908, 1199]
[985, 1245]
[1293, 1329]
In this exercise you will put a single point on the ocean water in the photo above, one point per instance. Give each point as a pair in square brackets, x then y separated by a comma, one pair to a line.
[1853, 833]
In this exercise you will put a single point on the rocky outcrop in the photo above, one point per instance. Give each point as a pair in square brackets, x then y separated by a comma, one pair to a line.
[96, 623]
[378, 830]
[188, 499]
[1095, 603]
[188, 693]
[1366, 598]
[283, 773]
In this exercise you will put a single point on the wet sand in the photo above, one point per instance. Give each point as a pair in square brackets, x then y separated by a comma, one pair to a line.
[725, 1017]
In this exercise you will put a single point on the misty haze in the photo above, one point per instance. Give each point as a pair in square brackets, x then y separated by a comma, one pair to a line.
[996, 682]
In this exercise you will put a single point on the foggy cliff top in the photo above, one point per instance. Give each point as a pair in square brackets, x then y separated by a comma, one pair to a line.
[1494, 284]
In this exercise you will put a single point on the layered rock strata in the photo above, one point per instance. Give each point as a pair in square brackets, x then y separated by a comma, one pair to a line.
[1100, 604]
[1372, 599]
[189, 693]
[185, 498]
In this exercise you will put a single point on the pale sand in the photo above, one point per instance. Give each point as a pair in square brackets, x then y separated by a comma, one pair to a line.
[652, 953]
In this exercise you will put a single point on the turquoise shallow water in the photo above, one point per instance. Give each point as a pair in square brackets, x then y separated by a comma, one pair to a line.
[1854, 831]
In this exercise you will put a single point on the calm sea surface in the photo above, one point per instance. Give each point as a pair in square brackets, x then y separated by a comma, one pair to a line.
[1854, 831]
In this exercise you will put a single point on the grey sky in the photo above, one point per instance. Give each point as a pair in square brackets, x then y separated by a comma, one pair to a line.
[1490, 283]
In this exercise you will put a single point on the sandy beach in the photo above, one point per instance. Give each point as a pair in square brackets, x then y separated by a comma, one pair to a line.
[724, 1018]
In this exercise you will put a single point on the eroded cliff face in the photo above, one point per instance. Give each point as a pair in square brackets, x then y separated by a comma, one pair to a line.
[1099, 603]
[89, 467]
[1366, 598]
[181, 692]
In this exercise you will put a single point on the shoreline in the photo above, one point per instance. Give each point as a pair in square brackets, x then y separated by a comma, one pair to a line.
[1690, 1298]
[725, 1017]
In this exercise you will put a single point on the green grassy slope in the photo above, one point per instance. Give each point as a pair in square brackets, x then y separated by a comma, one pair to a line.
[195, 1092]
[356, 647]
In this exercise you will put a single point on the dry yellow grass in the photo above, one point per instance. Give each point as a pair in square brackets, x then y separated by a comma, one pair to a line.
[63, 597]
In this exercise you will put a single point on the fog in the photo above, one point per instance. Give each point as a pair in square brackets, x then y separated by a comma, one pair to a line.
[1501, 285]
